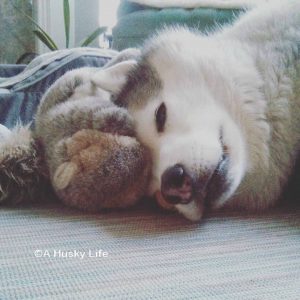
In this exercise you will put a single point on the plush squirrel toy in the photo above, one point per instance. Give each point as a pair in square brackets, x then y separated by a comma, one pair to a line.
[82, 143]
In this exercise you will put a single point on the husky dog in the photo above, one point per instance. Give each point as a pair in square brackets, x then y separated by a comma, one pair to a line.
[219, 113]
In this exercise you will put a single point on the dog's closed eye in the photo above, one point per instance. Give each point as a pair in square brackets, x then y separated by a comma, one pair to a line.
[161, 117]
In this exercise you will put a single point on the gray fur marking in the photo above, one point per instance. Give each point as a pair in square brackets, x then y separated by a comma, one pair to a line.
[143, 82]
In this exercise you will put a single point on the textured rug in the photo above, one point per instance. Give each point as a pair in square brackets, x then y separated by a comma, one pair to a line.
[55, 253]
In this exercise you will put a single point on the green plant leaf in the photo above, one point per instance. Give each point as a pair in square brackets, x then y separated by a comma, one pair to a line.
[93, 35]
[67, 21]
[26, 57]
[40, 29]
[45, 39]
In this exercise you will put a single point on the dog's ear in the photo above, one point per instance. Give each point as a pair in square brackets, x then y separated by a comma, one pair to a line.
[111, 79]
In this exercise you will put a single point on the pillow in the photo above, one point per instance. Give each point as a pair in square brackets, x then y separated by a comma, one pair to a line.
[137, 22]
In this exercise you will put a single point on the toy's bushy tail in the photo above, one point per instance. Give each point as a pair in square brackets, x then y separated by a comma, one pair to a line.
[20, 166]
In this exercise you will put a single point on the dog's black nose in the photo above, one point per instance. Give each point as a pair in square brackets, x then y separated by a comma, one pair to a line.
[176, 185]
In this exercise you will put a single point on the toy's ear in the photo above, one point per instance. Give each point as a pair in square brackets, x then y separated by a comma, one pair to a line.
[112, 79]
[64, 174]
[124, 55]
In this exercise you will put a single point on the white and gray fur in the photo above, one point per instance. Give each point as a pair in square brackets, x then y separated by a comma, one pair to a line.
[245, 80]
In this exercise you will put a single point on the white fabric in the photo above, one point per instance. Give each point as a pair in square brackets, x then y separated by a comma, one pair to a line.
[4, 133]
[225, 4]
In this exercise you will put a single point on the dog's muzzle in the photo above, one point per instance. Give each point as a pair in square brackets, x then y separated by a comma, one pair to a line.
[179, 187]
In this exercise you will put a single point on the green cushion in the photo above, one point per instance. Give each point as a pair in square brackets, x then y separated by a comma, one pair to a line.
[137, 22]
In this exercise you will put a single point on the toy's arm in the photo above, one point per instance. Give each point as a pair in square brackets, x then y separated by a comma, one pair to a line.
[63, 89]
[100, 170]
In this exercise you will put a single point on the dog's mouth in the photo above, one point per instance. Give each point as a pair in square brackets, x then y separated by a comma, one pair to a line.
[219, 183]
[203, 195]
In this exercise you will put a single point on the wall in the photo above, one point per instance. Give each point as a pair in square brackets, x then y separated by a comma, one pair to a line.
[16, 35]
[16, 30]
[86, 20]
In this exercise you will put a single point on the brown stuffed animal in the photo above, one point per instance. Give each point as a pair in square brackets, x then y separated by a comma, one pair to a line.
[86, 145]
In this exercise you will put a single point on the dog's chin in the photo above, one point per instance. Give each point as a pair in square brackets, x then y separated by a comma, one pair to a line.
[193, 211]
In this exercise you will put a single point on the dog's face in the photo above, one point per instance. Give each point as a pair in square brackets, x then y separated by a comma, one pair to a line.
[197, 149]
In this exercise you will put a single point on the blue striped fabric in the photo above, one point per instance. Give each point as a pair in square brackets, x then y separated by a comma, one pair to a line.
[18, 104]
